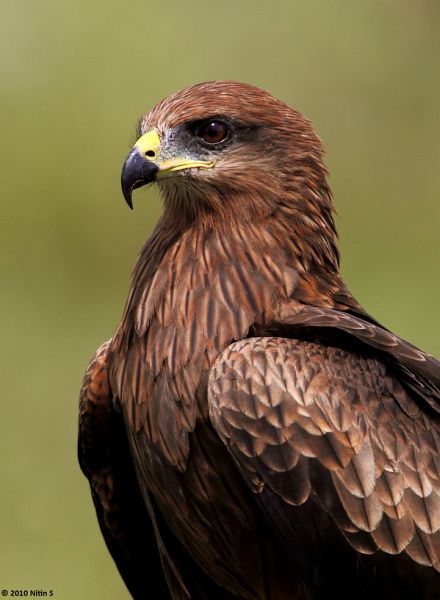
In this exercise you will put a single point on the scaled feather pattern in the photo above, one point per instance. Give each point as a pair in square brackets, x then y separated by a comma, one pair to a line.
[250, 431]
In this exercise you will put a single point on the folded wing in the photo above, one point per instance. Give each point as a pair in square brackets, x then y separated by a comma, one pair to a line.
[344, 462]
[130, 532]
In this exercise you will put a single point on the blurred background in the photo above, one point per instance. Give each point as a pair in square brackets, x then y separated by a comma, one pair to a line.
[75, 77]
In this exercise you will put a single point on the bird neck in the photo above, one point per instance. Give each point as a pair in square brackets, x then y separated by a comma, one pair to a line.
[252, 267]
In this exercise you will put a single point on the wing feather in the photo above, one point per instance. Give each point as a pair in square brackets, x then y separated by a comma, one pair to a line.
[315, 423]
[128, 529]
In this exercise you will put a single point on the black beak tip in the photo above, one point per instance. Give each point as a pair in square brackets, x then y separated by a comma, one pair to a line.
[136, 172]
[127, 195]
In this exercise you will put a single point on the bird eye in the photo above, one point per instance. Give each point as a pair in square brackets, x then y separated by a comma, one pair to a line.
[213, 132]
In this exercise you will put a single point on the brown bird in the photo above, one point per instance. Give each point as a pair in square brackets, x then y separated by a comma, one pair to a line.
[250, 431]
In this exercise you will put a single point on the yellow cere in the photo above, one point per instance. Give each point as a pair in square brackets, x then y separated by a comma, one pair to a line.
[148, 144]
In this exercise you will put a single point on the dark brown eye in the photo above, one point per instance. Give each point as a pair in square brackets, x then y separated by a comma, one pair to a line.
[213, 132]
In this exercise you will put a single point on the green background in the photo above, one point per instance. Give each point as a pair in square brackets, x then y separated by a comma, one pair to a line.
[75, 77]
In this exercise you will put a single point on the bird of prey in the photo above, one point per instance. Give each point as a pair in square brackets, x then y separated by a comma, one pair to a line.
[250, 431]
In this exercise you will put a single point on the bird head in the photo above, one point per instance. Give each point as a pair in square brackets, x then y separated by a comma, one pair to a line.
[221, 146]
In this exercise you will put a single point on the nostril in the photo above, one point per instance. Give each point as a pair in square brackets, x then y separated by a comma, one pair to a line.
[151, 153]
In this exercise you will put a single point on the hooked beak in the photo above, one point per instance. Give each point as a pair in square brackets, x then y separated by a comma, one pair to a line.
[143, 165]
[136, 172]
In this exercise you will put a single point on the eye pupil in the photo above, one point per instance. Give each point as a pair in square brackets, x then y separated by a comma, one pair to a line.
[214, 132]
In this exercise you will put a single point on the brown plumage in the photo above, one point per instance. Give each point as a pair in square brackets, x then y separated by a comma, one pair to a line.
[250, 431]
